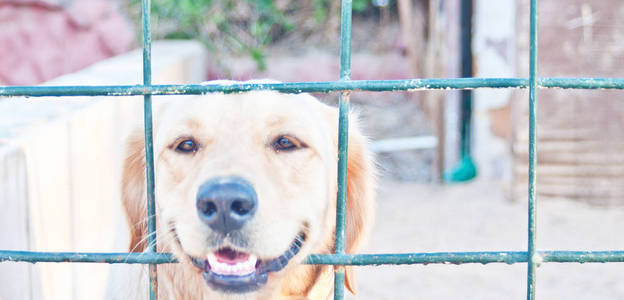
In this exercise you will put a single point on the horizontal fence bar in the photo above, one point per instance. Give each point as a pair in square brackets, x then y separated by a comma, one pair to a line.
[314, 87]
[417, 258]
[84, 257]
[508, 257]
[581, 83]
[581, 256]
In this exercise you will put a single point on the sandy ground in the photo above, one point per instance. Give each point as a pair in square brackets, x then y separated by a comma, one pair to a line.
[477, 217]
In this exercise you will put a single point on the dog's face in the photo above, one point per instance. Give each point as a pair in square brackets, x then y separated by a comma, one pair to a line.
[246, 188]
[243, 182]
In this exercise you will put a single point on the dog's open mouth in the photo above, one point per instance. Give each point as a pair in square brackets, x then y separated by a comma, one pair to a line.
[234, 271]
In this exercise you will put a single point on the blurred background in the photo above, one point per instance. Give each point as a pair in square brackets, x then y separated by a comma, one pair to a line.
[453, 164]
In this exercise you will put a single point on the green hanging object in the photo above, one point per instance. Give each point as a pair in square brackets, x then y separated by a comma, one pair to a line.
[464, 171]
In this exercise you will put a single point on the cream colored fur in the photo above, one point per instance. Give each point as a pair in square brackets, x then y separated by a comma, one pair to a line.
[296, 189]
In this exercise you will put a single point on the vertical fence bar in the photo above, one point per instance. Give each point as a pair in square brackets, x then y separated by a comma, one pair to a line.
[532, 255]
[343, 141]
[149, 150]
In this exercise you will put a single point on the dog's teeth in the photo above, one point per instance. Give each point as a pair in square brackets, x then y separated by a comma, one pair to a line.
[240, 268]
[212, 260]
[252, 260]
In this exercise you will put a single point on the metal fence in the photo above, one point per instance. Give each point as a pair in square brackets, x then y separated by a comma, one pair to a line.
[344, 86]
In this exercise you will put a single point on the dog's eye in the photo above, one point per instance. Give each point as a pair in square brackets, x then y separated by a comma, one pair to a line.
[284, 143]
[187, 146]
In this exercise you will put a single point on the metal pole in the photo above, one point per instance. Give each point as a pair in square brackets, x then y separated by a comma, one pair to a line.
[343, 141]
[149, 149]
[533, 256]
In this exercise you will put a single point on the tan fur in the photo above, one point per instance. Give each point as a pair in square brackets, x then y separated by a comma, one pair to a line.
[133, 190]
[290, 186]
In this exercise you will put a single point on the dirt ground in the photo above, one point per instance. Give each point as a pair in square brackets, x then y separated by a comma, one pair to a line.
[477, 217]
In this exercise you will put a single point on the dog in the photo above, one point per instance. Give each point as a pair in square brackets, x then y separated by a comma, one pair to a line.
[245, 189]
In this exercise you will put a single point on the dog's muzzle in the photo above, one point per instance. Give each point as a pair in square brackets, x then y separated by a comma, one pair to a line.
[226, 204]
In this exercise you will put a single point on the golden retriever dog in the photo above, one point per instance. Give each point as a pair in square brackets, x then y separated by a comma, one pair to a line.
[245, 190]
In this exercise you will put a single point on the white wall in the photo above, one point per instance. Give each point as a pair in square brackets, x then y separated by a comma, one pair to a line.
[494, 48]
[59, 171]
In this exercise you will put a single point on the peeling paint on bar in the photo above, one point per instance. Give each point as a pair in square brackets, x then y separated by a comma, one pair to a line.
[316, 87]
[582, 83]
[582, 256]
[343, 142]
[508, 257]
[418, 258]
[533, 263]
[111, 258]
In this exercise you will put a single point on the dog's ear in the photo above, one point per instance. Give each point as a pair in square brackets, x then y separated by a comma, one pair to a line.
[360, 189]
[360, 194]
[133, 190]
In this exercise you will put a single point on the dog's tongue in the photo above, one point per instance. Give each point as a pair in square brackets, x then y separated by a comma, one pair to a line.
[230, 256]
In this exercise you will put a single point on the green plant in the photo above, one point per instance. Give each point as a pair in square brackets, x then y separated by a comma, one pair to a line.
[236, 26]
[321, 8]
[241, 27]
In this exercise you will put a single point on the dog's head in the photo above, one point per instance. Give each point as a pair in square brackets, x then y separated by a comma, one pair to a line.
[246, 188]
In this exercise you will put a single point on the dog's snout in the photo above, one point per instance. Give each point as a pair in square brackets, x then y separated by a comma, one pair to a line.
[226, 203]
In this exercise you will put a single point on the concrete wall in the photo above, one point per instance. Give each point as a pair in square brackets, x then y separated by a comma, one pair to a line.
[494, 51]
[59, 172]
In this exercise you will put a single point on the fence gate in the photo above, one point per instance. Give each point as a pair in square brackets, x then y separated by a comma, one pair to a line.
[344, 86]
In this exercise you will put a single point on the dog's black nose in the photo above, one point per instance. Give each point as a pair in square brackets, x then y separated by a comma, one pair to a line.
[226, 203]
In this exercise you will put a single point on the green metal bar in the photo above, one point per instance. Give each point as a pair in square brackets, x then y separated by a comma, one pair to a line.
[532, 210]
[341, 202]
[581, 83]
[345, 40]
[418, 258]
[581, 256]
[343, 131]
[83, 257]
[508, 257]
[149, 149]
[315, 87]
[343, 142]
